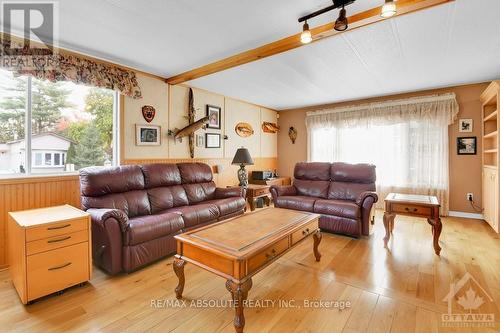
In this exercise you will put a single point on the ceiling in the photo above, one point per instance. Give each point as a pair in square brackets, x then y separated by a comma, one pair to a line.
[448, 45]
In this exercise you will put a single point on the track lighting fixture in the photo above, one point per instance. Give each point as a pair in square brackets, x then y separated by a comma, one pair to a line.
[341, 24]
[389, 9]
[305, 36]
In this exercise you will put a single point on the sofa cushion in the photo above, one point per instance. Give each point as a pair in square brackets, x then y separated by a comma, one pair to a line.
[163, 198]
[199, 192]
[160, 174]
[97, 181]
[296, 202]
[133, 203]
[353, 173]
[348, 191]
[343, 208]
[145, 228]
[229, 205]
[312, 171]
[197, 214]
[195, 173]
[312, 188]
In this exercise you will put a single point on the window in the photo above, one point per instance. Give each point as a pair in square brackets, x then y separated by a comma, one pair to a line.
[72, 126]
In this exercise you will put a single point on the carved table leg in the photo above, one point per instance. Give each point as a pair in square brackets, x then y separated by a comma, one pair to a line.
[239, 293]
[388, 225]
[267, 201]
[317, 239]
[179, 271]
[251, 203]
[436, 232]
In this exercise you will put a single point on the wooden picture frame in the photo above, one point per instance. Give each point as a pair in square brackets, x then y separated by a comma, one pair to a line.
[214, 116]
[147, 135]
[212, 140]
[467, 145]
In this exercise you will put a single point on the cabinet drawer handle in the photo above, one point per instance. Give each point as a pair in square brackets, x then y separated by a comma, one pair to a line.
[59, 227]
[59, 267]
[58, 240]
[305, 232]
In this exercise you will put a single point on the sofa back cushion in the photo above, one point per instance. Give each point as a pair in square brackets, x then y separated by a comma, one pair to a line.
[160, 174]
[350, 180]
[312, 179]
[197, 180]
[116, 187]
[163, 198]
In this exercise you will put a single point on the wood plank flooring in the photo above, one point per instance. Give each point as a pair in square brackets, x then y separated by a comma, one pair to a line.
[396, 290]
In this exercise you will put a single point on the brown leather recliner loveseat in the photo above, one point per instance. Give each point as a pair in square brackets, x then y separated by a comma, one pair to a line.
[137, 210]
[342, 193]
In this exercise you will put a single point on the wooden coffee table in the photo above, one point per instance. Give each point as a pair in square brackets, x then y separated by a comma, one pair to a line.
[412, 205]
[239, 248]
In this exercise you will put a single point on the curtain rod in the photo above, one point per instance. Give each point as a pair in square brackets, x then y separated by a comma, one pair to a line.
[407, 101]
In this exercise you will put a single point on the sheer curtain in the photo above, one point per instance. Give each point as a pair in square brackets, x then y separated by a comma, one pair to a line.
[407, 140]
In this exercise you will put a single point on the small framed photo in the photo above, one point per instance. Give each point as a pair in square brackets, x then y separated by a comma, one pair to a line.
[213, 113]
[465, 125]
[200, 140]
[212, 140]
[147, 135]
[467, 145]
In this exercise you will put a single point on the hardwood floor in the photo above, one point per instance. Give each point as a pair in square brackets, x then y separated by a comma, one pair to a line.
[400, 290]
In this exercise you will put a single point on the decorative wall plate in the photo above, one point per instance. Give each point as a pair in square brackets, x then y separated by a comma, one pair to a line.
[243, 129]
[148, 112]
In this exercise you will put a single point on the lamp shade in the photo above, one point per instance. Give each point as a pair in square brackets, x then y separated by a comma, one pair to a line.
[242, 156]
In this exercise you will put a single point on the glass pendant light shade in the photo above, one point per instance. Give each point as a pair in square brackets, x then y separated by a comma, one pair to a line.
[341, 24]
[389, 9]
[305, 36]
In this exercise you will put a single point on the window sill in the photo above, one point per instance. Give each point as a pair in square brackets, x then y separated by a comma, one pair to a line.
[33, 178]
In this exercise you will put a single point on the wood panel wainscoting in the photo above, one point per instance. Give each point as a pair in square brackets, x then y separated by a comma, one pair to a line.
[34, 192]
[225, 177]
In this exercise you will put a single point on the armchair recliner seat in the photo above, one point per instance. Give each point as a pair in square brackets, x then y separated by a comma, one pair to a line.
[343, 194]
[137, 210]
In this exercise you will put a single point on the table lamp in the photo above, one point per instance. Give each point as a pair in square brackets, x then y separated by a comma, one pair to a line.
[242, 158]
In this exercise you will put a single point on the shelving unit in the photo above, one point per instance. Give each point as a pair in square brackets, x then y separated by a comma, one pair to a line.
[490, 99]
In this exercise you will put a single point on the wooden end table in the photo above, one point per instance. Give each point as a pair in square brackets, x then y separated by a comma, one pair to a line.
[412, 205]
[239, 248]
[258, 191]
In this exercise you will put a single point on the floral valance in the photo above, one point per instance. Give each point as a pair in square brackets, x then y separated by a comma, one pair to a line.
[439, 109]
[68, 67]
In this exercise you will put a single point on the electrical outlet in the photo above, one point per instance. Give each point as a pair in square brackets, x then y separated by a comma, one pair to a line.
[470, 196]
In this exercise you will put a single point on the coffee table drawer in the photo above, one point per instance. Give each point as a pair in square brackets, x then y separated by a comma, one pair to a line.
[411, 209]
[56, 242]
[58, 269]
[56, 229]
[267, 255]
[304, 232]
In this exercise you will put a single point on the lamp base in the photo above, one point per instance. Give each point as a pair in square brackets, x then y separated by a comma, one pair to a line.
[242, 176]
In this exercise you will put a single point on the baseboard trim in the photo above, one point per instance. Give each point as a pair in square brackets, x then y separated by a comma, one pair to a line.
[474, 216]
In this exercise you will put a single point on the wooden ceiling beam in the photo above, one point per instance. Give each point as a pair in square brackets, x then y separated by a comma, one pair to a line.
[291, 42]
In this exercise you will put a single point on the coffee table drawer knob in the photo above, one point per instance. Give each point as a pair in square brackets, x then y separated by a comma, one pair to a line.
[305, 232]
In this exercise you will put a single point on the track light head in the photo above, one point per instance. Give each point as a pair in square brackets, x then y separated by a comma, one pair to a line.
[305, 36]
[342, 23]
[389, 9]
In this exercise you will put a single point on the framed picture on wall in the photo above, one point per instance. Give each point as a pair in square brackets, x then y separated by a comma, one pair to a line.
[214, 116]
[147, 135]
[467, 145]
[212, 140]
[465, 125]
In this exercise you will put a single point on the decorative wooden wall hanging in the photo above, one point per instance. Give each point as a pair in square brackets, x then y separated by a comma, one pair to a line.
[243, 129]
[148, 112]
[292, 133]
[270, 127]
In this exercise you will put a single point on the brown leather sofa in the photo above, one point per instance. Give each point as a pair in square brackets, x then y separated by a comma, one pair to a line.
[342, 193]
[136, 210]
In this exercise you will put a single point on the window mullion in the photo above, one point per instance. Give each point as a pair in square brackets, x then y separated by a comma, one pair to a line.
[27, 136]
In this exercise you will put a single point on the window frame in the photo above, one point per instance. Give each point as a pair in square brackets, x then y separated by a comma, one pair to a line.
[29, 155]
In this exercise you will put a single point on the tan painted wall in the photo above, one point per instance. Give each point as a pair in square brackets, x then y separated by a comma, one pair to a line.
[171, 104]
[465, 171]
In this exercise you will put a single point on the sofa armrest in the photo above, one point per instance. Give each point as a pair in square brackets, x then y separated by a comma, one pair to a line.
[229, 192]
[281, 190]
[366, 195]
[100, 215]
